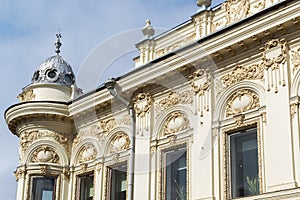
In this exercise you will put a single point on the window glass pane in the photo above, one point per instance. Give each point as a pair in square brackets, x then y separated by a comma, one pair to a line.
[86, 187]
[117, 183]
[244, 163]
[43, 188]
[175, 176]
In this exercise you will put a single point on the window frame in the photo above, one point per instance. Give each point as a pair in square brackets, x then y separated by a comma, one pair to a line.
[108, 181]
[78, 183]
[227, 132]
[163, 170]
[55, 185]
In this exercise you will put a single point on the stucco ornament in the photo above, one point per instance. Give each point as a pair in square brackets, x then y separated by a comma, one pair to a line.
[241, 101]
[295, 59]
[236, 10]
[142, 105]
[200, 83]
[108, 125]
[176, 122]
[26, 95]
[240, 73]
[274, 59]
[87, 153]
[45, 154]
[119, 143]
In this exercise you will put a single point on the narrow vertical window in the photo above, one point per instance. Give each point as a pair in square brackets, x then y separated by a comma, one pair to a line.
[43, 188]
[244, 163]
[86, 187]
[175, 174]
[117, 183]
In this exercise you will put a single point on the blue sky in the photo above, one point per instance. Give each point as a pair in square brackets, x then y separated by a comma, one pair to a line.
[27, 37]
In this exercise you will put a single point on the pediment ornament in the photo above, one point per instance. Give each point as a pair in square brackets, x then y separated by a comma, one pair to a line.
[243, 100]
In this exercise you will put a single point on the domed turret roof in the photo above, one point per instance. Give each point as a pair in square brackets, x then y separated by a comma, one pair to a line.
[54, 69]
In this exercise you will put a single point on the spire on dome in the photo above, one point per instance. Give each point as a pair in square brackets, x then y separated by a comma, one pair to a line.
[58, 43]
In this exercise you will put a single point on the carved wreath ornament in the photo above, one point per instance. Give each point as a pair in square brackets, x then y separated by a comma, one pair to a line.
[241, 101]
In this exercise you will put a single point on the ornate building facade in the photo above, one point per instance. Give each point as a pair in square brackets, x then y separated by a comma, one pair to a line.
[213, 114]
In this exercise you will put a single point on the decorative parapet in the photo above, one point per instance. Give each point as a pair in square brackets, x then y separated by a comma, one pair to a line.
[201, 24]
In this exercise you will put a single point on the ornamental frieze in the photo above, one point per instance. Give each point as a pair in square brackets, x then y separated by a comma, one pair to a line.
[241, 101]
[87, 153]
[274, 56]
[295, 59]
[27, 138]
[119, 142]
[176, 122]
[240, 73]
[44, 154]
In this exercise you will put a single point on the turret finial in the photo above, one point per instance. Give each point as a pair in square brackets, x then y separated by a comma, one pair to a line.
[58, 43]
[148, 30]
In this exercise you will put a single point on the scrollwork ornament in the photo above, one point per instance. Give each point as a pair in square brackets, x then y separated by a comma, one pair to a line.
[20, 173]
[142, 105]
[108, 125]
[240, 73]
[26, 96]
[87, 153]
[236, 10]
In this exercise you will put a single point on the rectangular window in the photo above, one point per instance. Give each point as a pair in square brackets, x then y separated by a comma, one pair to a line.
[244, 163]
[86, 187]
[117, 183]
[175, 174]
[43, 188]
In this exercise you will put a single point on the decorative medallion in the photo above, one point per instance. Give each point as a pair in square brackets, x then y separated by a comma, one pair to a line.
[119, 143]
[295, 59]
[241, 101]
[236, 10]
[108, 125]
[274, 58]
[176, 122]
[241, 73]
[44, 154]
[200, 84]
[26, 96]
[87, 153]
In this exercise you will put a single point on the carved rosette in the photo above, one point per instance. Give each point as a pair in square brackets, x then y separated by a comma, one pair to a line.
[87, 153]
[236, 10]
[201, 84]
[295, 59]
[241, 101]
[44, 154]
[26, 96]
[26, 138]
[108, 125]
[274, 59]
[176, 122]
[142, 105]
[119, 142]
[173, 99]
[240, 73]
